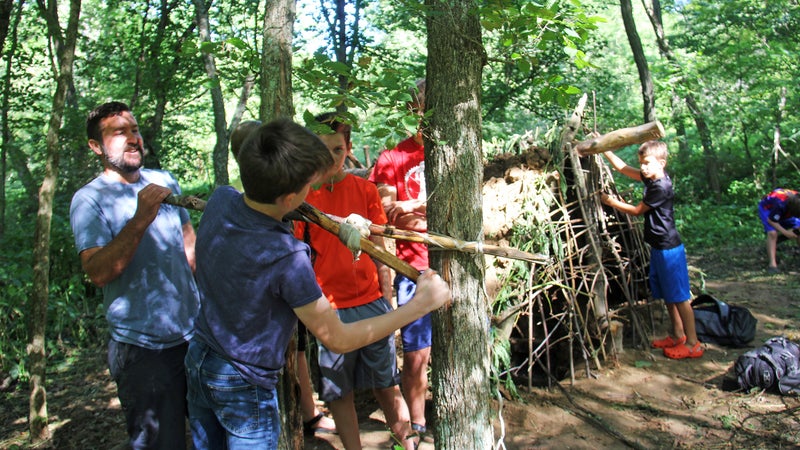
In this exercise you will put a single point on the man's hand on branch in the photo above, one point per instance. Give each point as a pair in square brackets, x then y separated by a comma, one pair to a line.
[149, 201]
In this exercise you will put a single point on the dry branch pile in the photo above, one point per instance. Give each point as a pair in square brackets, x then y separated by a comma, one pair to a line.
[567, 315]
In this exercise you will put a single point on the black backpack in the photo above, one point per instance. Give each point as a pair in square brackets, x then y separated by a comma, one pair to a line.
[720, 323]
[775, 366]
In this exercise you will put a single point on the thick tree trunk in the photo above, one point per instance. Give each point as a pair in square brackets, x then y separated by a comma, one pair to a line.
[276, 101]
[648, 94]
[454, 173]
[37, 316]
[220, 154]
[276, 61]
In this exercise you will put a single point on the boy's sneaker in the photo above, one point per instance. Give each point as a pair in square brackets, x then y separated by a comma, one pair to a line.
[668, 342]
[683, 351]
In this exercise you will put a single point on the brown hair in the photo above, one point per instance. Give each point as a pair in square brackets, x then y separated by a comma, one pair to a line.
[242, 131]
[654, 148]
[280, 158]
[98, 114]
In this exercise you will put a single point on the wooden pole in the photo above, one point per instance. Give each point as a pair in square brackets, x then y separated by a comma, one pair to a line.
[432, 240]
[318, 217]
[618, 139]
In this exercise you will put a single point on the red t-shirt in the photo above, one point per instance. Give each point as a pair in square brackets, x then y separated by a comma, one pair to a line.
[404, 168]
[346, 283]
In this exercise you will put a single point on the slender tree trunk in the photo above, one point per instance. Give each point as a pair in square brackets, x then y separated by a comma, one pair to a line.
[220, 155]
[709, 154]
[776, 136]
[276, 101]
[37, 316]
[241, 105]
[6, 6]
[648, 94]
[454, 175]
[6, 129]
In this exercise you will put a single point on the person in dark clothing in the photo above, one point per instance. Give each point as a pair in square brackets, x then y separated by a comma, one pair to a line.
[669, 272]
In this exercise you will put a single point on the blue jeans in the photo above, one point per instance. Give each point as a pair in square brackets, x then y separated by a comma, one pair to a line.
[226, 411]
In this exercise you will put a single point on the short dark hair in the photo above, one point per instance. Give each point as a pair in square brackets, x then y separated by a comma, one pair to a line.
[280, 158]
[333, 120]
[240, 134]
[98, 114]
[793, 205]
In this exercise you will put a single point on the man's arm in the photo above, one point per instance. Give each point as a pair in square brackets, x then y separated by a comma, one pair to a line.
[104, 264]
[620, 166]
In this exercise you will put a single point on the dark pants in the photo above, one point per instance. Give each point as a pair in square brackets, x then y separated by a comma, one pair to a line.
[151, 385]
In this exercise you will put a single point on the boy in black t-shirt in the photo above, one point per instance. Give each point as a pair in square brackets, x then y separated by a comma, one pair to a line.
[669, 273]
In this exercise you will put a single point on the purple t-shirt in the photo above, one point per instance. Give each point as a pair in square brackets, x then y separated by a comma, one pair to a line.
[251, 273]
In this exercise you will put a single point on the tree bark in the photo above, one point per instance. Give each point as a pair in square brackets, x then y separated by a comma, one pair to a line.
[776, 136]
[276, 101]
[220, 154]
[276, 61]
[709, 154]
[37, 316]
[6, 129]
[648, 94]
[623, 137]
[454, 175]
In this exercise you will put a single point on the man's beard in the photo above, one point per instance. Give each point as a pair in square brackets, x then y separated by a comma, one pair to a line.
[120, 165]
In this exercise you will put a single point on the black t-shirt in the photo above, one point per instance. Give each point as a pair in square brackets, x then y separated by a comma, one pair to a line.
[659, 222]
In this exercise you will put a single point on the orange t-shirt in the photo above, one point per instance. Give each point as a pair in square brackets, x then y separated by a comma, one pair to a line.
[346, 283]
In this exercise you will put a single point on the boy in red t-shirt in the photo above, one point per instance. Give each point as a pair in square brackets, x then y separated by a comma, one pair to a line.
[357, 288]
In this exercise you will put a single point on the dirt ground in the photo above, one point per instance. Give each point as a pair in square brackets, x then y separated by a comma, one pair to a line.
[642, 400]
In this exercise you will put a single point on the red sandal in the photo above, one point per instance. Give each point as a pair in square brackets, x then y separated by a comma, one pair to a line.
[668, 342]
[682, 351]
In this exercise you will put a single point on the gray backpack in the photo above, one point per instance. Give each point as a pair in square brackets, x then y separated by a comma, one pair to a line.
[775, 366]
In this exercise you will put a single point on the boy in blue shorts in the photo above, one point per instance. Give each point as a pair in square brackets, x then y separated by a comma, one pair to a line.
[669, 272]
[779, 211]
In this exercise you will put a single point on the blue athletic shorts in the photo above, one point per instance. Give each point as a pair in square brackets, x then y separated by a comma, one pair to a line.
[417, 334]
[370, 367]
[669, 275]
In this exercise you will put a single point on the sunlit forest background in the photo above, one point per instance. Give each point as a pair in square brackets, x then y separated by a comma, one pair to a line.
[725, 82]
